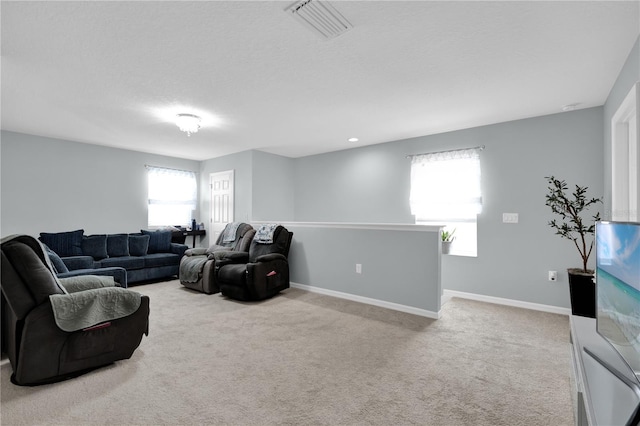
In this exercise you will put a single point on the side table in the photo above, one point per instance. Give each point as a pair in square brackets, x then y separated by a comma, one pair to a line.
[195, 233]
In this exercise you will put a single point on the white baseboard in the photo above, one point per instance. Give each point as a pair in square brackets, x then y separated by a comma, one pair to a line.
[446, 296]
[508, 302]
[369, 301]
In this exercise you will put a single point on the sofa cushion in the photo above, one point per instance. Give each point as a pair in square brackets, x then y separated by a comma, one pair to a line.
[80, 262]
[138, 244]
[64, 243]
[159, 241]
[118, 245]
[178, 249]
[161, 259]
[126, 262]
[58, 264]
[95, 246]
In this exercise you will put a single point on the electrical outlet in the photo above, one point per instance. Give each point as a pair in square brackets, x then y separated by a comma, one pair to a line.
[358, 268]
[509, 217]
[553, 275]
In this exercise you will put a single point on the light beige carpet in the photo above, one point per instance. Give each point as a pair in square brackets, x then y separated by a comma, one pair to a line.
[308, 359]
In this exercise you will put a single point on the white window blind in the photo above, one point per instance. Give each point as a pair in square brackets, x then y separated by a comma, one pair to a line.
[445, 186]
[172, 196]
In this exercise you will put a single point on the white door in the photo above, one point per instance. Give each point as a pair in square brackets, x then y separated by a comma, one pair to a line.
[221, 202]
[625, 179]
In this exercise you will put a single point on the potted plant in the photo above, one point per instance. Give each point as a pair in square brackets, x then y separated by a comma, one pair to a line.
[573, 226]
[447, 238]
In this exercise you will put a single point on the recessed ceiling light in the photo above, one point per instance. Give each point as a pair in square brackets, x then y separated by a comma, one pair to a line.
[353, 139]
[569, 107]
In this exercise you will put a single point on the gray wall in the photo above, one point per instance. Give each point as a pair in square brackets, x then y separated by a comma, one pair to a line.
[371, 184]
[52, 185]
[48, 184]
[273, 197]
[629, 75]
[398, 266]
[513, 259]
[263, 186]
[241, 164]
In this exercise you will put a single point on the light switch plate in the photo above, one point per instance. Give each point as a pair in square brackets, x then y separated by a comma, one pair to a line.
[509, 217]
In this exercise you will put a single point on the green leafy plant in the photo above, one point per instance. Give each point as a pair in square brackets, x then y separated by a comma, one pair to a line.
[571, 208]
[447, 236]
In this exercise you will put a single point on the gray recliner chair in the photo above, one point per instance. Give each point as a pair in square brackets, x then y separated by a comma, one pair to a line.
[198, 265]
[53, 332]
[260, 273]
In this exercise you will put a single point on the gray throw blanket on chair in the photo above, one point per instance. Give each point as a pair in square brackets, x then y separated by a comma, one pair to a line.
[191, 268]
[86, 282]
[264, 234]
[230, 232]
[87, 308]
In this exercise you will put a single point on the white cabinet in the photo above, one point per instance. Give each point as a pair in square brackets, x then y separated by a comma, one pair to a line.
[605, 390]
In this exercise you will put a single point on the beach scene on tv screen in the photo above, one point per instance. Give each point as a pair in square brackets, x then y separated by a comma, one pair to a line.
[618, 281]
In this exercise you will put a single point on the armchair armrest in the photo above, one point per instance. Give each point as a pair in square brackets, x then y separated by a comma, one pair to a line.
[213, 248]
[229, 256]
[78, 262]
[198, 251]
[119, 274]
[86, 282]
[76, 311]
[271, 257]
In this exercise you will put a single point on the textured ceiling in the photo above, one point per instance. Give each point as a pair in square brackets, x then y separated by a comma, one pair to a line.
[116, 73]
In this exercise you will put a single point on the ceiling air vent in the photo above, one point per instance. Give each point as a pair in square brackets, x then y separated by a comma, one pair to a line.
[320, 17]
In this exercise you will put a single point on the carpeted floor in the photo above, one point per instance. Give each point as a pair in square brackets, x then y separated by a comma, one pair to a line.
[308, 359]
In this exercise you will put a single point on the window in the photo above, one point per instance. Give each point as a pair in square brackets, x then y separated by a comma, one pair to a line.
[445, 189]
[172, 196]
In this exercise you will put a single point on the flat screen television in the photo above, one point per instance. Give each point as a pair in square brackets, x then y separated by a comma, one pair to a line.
[618, 288]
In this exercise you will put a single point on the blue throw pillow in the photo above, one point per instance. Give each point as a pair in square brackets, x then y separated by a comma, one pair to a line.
[138, 244]
[58, 265]
[118, 245]
[64, 243]
[95, 246]
[159, 241]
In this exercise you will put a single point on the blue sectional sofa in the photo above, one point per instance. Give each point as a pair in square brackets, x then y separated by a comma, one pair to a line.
[146, 256]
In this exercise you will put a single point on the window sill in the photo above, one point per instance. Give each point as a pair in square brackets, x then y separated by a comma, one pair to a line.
[461, 254]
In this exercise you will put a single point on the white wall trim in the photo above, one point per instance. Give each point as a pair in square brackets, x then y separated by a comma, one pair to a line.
[369, 301]
[375, 226]
[447, 294]
[507, 302]
[625, 127]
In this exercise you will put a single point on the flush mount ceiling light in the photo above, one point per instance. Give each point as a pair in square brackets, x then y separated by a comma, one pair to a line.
[353, 139]
[188, 123]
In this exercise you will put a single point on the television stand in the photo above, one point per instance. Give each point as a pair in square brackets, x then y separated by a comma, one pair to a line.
[604, 389]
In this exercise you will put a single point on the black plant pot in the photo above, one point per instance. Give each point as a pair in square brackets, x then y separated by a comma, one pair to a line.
[582, 290]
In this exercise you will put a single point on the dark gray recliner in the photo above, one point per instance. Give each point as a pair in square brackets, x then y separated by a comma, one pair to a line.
[44, 341]
[259, 274]
[198, 265]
